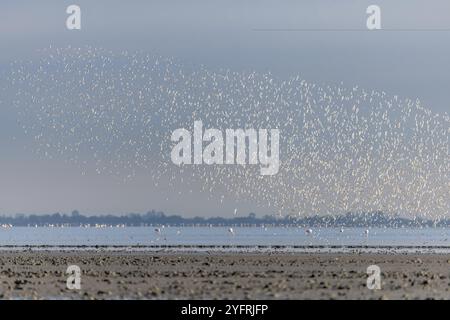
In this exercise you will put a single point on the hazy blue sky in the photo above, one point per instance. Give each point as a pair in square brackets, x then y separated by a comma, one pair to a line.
[217, 34]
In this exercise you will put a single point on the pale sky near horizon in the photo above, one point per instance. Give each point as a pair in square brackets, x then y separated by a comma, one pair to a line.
[219, 34]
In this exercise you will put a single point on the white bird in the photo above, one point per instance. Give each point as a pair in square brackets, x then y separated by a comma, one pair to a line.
[370, 133]
[342, 230]
[308, 231]
[230, 230]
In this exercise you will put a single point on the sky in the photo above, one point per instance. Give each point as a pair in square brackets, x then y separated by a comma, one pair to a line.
[411, 59]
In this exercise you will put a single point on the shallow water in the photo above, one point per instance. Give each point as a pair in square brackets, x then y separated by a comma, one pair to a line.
[221, 236]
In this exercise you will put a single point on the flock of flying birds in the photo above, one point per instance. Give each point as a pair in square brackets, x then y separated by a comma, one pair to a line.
[341, 149]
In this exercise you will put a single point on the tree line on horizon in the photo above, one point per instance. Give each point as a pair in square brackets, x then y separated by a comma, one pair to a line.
[373, 219]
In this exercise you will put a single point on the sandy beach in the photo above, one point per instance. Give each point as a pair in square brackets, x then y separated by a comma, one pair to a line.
[181, 275]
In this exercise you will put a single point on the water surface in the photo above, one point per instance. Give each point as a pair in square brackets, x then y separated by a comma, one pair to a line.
[211, 237]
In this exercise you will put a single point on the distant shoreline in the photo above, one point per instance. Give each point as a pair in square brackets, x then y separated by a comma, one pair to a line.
[240, 249]
[153, 218]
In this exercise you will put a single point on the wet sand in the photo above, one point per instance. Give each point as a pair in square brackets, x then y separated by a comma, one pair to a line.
[163, 275]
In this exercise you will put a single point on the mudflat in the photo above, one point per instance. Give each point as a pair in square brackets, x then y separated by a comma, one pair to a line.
[217, 275]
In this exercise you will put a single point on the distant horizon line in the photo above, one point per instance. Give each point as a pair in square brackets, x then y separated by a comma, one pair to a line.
[231, 215]
[349, 219]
